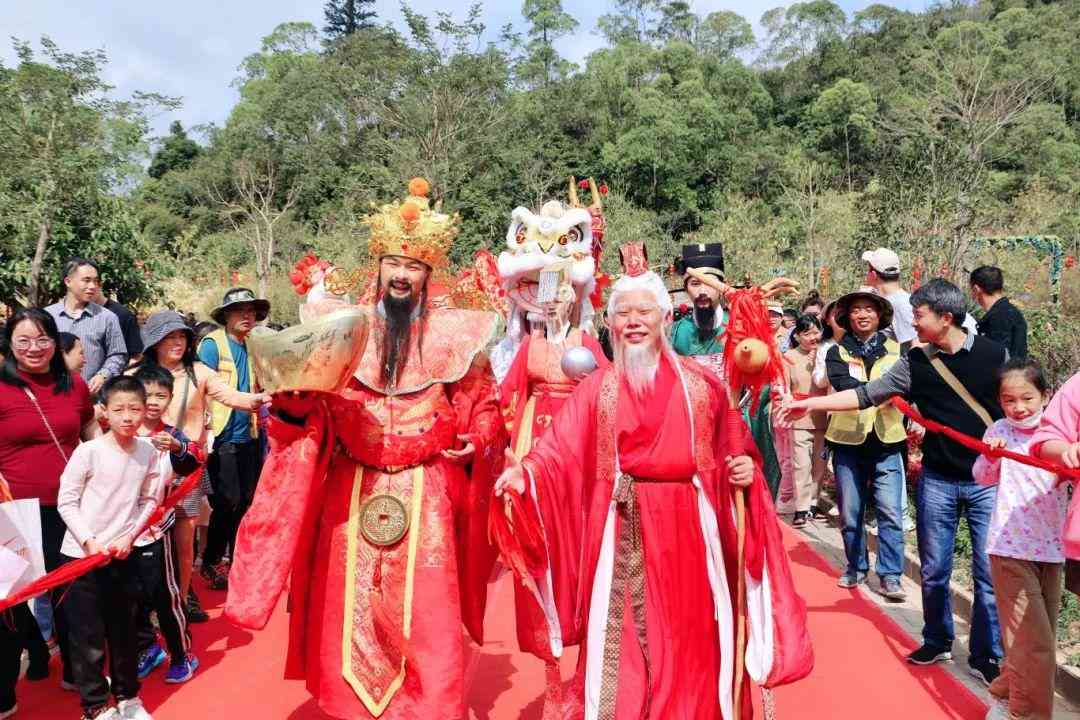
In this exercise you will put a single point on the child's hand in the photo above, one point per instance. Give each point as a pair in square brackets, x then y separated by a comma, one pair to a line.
[121, 546]
[93, 547]
[995, 443]
[165, 442]
[1071, 457]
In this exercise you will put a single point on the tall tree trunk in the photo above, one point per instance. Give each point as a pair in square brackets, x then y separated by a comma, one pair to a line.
[35, 294]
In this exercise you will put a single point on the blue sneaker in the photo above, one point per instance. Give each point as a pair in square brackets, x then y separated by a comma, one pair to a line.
[150, 659]
[182, 672]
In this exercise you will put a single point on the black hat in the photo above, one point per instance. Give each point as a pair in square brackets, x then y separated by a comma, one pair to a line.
[240, 296]
[706, 257]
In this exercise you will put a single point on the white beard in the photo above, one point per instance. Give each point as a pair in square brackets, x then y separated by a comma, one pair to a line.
[638, 364]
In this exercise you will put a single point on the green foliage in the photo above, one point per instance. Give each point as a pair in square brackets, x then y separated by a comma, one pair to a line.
[344, 17]
[918, 131]
[177, 152]
[65, 148]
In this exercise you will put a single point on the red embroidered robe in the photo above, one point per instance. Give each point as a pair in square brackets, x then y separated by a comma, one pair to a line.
[532, 393]
[674, 442]
[376, 631]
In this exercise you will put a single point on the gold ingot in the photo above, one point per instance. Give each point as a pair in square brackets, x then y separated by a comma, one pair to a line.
[319, 355]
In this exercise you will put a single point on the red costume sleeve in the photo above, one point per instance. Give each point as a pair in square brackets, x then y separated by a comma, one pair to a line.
[557, 469]
[514, 390]
[478, 417]
[278, 531]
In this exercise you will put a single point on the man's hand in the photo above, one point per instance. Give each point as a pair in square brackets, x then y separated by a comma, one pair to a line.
[165, 442]
[95, 383]
[93, 547]
[257, 401]
[464, 453]
[121, 546]
[916, 431]
[294, 404]
[740, 470]
[789, 410]
[513, 476]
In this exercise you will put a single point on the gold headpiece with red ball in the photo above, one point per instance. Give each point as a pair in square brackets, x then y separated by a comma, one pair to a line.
[411, 228]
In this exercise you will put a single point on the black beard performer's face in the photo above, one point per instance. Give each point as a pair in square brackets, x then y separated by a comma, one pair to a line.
[705, 317]
[395, 349]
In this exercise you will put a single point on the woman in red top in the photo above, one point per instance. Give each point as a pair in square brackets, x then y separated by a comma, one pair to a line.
[44, 411]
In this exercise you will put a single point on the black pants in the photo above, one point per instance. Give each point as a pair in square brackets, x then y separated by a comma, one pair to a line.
[101, 608]
[159, 585]
[234, 472]
[53, 530]
[18, 631]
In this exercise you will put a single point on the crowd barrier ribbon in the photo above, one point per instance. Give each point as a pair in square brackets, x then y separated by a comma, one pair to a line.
[76, 568]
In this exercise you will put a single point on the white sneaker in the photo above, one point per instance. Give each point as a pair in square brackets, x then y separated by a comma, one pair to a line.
[132, 710]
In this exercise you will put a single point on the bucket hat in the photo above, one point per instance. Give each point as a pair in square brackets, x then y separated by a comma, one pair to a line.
[843, 305]
[240, 296]
[160, 324]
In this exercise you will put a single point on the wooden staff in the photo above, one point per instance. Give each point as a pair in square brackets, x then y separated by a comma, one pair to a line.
[751, 354]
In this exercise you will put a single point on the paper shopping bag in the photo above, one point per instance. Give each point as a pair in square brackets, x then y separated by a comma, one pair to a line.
[20, 535]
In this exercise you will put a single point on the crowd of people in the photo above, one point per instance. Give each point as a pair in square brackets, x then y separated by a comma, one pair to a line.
[100, 418]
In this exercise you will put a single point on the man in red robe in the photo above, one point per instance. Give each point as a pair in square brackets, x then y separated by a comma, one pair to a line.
[376, 498]
[634, 485]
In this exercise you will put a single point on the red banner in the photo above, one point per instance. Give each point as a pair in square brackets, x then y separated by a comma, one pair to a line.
[980, 447]
[76, 568]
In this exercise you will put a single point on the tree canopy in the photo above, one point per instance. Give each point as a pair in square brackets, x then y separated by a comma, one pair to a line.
[828, 134]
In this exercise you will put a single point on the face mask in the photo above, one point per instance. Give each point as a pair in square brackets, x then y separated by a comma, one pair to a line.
[1028, 423]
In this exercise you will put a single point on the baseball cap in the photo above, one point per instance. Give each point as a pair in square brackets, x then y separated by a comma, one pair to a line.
[883, 260]
[775, 307]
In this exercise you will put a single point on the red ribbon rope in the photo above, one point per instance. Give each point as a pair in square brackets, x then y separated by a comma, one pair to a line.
[980, 447]
[76, 568]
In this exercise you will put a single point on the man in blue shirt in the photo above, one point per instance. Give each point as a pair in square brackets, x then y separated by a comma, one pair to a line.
[236, 461]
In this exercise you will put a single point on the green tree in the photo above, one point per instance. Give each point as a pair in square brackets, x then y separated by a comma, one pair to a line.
[344, 17]
[677, 22]
[177, 152]
[842, 119]
[64, 145]
[547, 23]
[724, 33]
[799, 29]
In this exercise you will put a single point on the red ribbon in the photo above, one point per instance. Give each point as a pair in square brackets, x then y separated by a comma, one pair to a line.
[980, 447]
[76, 568]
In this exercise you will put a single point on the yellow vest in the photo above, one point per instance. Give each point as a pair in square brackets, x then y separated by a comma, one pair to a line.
[852, 427]
[219, 414]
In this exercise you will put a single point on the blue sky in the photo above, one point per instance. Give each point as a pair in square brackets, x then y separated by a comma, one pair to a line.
[192, 49]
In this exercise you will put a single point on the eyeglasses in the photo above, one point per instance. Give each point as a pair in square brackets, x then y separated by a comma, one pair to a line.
[24, 343]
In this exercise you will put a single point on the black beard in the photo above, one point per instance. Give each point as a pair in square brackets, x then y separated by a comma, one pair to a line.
[705, 319]
[395, 349]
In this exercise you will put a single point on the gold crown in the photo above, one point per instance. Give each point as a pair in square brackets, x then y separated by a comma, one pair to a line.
[411, 229]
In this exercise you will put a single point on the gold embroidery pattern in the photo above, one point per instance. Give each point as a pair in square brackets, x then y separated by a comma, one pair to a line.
[366, 664]
[606, 401]
[702, 413]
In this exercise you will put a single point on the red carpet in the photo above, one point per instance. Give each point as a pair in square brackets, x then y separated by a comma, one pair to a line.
[860, 670]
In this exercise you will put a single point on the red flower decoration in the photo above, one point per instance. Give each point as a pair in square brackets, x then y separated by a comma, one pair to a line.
[684, 308]
[1070, 261]
[603, 189]
[583, 184]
